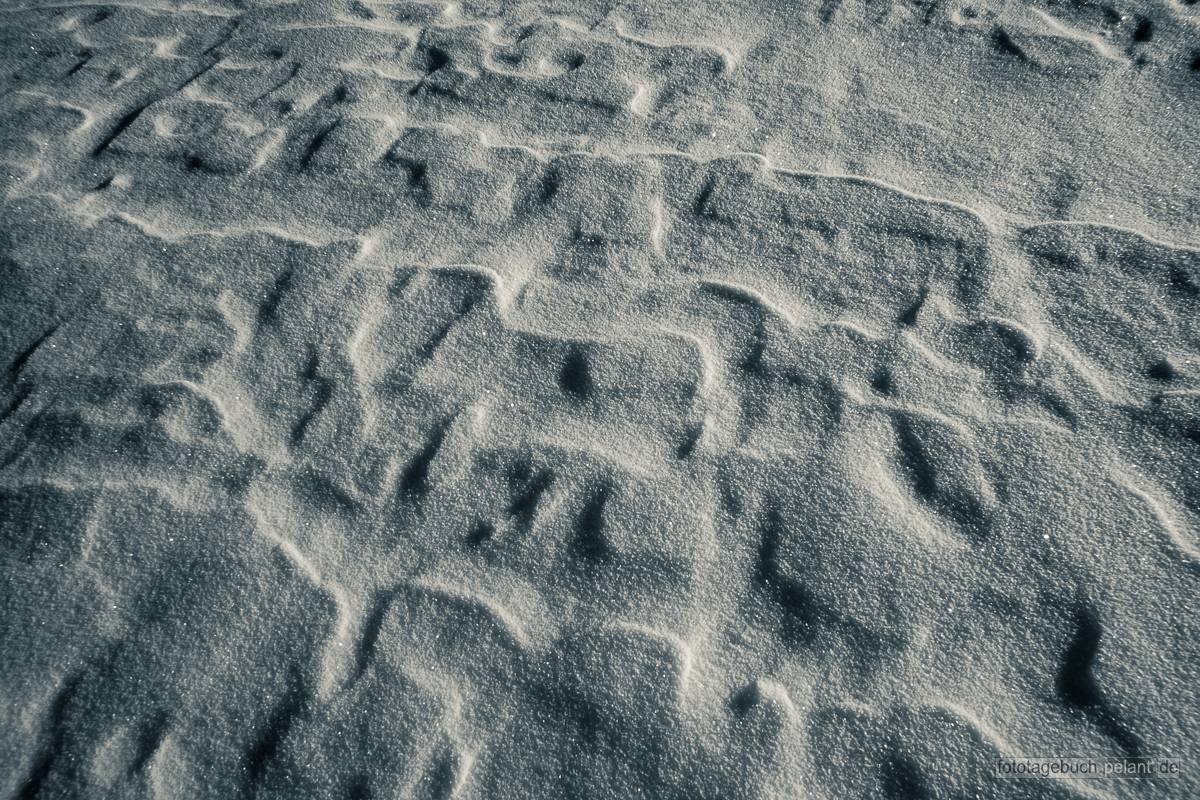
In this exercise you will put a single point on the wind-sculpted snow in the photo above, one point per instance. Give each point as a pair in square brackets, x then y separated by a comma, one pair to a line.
[545, 400]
